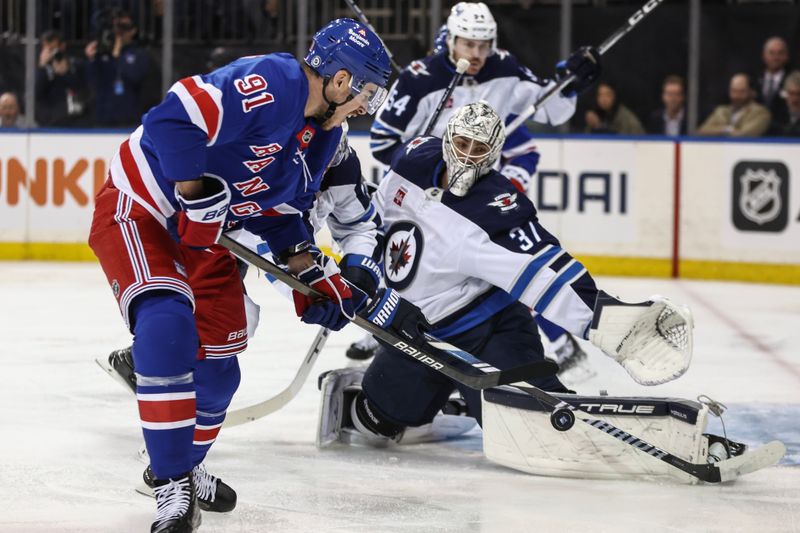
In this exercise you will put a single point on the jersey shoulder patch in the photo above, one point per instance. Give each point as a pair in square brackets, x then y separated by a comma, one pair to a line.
[504, 64]
[419, 160]
[494, 204]
[423, 76]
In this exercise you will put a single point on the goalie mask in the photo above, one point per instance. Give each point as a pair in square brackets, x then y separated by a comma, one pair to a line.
[471, 20]
[471, 145]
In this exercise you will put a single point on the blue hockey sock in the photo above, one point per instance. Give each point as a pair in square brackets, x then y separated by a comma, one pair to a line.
[215, 380]
[164, 351]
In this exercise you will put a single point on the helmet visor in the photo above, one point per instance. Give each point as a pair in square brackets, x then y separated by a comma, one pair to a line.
[371, 95]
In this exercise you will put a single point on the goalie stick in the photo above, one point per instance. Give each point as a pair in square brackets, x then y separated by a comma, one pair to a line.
[563, 415]
[631, 23]
[260, 409]
[445, 358]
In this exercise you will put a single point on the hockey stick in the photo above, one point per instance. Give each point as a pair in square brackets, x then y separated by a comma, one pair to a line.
[261, 409]
[563, 415]
[631, 23]
[461, 67]
[440, 356]
[269, 406]
[365, 21]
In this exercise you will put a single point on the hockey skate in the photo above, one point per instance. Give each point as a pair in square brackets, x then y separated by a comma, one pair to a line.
[176, 506]
[120, 367]
[721, 448]
[339, 422]
[362, 349]
[213, 494]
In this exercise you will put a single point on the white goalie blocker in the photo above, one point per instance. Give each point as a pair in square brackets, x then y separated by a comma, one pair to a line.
[652, 340]
[518, 433]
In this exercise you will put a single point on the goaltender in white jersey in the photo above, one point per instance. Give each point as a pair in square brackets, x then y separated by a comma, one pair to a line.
[468, 250]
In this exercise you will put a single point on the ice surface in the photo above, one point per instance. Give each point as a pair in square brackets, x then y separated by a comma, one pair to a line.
[70, 434]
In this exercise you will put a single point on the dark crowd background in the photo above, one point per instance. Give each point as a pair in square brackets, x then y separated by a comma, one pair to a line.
[108, 54]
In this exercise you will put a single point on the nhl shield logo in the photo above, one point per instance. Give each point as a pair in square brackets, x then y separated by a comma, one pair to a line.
[404, 245]
[760, 196]
[115, 288]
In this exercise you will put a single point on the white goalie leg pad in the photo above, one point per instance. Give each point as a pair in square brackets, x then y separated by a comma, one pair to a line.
[652, 340]
[338, 388]
[517, 433]
[338, 421]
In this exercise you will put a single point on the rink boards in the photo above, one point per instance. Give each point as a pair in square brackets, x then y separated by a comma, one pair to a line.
[715, 209]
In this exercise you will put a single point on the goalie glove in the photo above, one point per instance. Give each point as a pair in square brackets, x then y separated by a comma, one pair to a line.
[652, 340]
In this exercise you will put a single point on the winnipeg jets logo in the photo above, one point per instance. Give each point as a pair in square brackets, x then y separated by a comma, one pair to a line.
[399, 255]
[505, 202]
[403, 250]
[415, 143]
[418, 68]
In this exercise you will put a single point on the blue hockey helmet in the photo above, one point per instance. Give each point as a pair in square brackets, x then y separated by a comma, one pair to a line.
[349, 45]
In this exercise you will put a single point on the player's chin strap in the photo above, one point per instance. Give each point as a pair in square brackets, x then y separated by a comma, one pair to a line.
[331, 105]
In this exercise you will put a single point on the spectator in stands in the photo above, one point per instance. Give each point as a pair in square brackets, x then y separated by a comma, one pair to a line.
[610, 116]
[775, 56]
[262, 18]
[670, 119]
[9, 111]
[744, 117]
[61, 91]
[117, 70]
[787, 123]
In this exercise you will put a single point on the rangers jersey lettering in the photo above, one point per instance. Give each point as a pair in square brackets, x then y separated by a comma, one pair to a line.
[243, 123]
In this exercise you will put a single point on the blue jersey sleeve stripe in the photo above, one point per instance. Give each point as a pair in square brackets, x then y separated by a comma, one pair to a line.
[492, 305]
[532, 269]
[567, 276]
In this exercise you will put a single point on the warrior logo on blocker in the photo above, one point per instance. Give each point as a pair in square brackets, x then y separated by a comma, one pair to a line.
[403, 248]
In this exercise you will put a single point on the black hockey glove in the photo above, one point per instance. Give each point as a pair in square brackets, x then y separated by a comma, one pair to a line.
[584, 63]
[397, 316]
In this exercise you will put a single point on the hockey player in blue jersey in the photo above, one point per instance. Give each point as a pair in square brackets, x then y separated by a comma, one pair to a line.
[467, 248]
[495, 76]
[223, 150]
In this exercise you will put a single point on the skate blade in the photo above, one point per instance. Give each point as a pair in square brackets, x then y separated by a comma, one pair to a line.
[144, 490]
[103, 363]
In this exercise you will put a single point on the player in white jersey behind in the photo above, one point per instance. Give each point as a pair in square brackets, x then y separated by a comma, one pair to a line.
[495, 76]
[466, 248]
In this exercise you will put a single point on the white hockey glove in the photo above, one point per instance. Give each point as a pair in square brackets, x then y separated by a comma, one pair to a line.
[652, 340]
